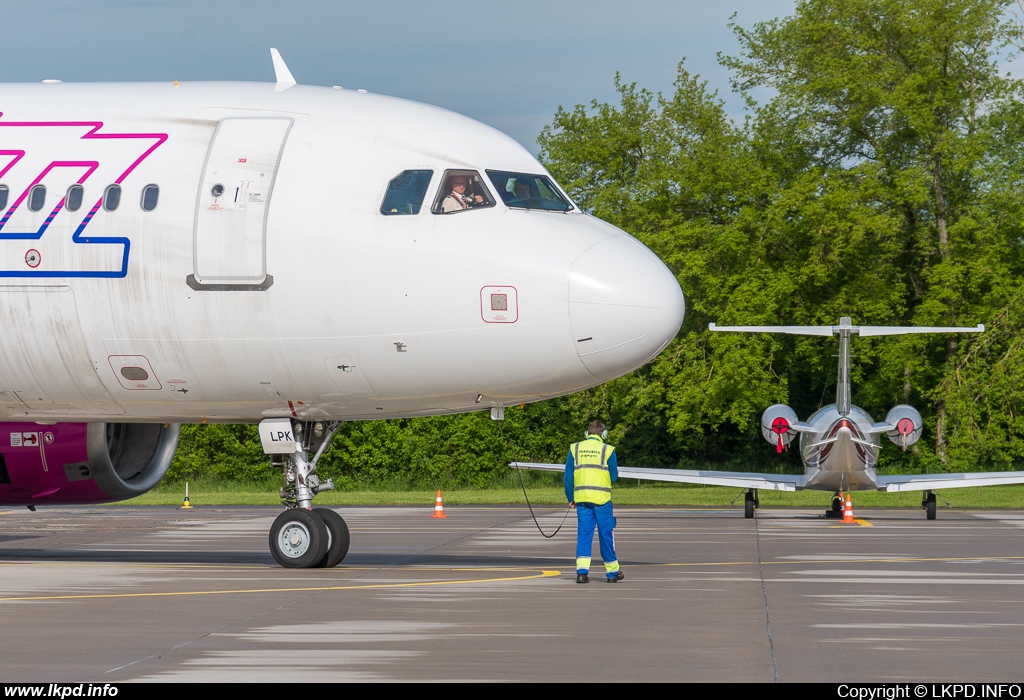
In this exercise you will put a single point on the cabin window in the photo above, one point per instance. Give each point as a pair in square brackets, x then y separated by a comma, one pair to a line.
[112, 197]
[150, 195]
[462, 190]
[4, 192]
[523, 191]
[37, 198]
[73, 199]
[405, 193]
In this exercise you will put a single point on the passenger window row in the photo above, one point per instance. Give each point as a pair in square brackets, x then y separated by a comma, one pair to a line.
[75, 196]
[463, 190]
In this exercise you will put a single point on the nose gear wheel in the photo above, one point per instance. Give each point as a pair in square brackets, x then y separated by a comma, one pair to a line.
[338, 538]
[298, 539]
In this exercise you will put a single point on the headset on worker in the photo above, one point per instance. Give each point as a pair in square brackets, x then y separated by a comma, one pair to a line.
[594, 428]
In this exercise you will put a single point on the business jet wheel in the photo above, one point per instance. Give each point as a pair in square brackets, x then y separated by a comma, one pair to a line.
[929, 505]
[749, 501]
[298, 539]
[337, 538]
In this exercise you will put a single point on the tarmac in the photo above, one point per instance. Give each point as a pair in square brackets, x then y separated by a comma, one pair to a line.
[107, 594]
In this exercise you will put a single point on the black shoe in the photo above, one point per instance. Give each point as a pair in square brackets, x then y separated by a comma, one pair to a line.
[616, 578]
[582, 578]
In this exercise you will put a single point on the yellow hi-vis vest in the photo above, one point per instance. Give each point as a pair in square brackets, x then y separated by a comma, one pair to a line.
[591, 479]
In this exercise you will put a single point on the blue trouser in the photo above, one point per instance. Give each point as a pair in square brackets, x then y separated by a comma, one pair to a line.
[588, 516]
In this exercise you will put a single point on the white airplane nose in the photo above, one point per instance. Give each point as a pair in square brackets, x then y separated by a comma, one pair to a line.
[625, 306]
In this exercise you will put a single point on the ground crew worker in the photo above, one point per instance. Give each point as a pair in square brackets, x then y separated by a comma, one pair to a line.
[590, 470]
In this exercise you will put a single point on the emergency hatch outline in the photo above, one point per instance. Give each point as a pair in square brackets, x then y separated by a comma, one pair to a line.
[77, 237]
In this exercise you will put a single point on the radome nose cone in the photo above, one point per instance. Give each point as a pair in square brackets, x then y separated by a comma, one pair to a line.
[625, 306]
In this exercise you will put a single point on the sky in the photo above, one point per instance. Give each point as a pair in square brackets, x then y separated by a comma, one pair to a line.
[508, 64]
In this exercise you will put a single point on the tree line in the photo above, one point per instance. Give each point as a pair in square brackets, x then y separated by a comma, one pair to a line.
[882, 180]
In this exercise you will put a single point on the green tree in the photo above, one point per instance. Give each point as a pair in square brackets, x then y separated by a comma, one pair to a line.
[678, 174]
[873, 184]
[905, 94]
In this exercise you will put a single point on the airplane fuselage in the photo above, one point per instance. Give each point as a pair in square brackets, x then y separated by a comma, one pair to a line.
[266, 281]
[840, 454]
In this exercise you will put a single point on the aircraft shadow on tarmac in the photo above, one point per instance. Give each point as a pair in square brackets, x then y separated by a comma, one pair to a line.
[353, 560]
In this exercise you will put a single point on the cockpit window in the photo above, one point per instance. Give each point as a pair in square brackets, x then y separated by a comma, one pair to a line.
[522, 191]
[405, 193]
[461, 190]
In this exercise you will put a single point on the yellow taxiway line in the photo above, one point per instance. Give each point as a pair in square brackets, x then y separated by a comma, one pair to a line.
[305, 589]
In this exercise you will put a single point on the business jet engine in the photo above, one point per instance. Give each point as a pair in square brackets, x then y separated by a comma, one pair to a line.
[777, 423]
[69, 463]
[907, 425]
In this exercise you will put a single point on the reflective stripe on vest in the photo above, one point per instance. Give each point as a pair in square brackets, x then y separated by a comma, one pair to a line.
[592, 480]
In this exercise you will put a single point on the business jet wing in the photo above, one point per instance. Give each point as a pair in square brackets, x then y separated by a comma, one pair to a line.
[743, 480]
[930, 482]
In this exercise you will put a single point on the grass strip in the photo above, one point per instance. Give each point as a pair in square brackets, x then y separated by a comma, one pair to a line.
[223, 494]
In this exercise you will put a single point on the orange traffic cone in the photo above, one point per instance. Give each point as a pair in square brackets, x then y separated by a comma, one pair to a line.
[848, 513]
[438, 507]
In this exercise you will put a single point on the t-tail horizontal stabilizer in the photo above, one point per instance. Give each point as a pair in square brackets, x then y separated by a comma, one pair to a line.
[845, 325]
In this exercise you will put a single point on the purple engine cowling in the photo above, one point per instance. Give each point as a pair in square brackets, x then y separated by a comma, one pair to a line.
[68, 463]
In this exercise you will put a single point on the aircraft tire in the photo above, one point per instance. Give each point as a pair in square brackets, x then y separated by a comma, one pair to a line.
[929, 506]
[337, 536]
[298, 539]
[748, 505]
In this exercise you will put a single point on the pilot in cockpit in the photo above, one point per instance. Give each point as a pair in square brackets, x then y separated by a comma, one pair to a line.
[458, 200]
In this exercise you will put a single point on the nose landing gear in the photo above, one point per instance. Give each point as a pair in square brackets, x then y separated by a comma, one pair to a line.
[303, 537]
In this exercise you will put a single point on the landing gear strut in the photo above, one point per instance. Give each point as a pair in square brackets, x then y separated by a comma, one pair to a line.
[750, 502]
[928, 503]
[303, 537]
